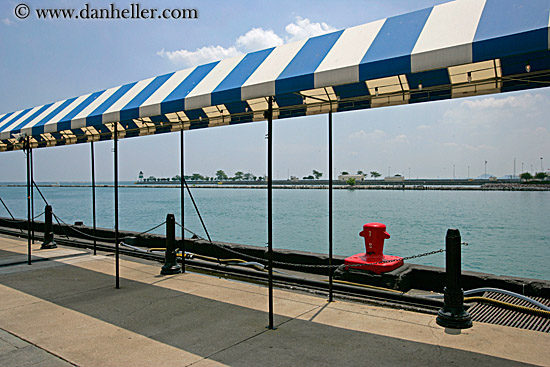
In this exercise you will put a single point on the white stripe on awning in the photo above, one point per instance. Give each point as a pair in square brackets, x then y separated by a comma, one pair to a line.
[341, 65]
[447, 35]
[262, 82]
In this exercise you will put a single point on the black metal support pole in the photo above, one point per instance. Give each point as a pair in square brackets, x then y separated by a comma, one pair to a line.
[49, 241]
[270, 206]
[116, 208]
[32, 197]
[171, 265]
[330, 273]
[28, 146]
[93, 197]
[453, 315]
[182, 195]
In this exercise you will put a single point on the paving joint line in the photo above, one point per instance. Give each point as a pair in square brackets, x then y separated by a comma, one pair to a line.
[39, 347]
[252, 336]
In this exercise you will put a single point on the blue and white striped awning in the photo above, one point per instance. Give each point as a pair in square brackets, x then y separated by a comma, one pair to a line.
[457, 49]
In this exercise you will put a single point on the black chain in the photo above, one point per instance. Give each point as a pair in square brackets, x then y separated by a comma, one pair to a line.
[106, 238]
[329, 266]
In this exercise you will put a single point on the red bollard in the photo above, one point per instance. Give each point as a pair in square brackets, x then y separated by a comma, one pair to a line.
[373, 259]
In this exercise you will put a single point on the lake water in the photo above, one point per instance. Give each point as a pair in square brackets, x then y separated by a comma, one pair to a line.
[508, 232]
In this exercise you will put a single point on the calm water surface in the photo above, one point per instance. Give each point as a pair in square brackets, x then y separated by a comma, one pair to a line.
[508, 232]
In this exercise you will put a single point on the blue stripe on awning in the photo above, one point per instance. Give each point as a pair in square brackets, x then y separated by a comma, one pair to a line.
[131, 110]
[66, 120]
[298, 74]
[351, 90]
[6, 116]
[509, 27]
[96, 117]
[19, 115]
[229, 90]
[32, 117]
[38, 128]
[390, 52]
[430, 78]
[175, 100]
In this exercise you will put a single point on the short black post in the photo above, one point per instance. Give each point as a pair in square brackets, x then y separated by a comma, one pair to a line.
[453, 315]
[48, 229]
[171, 265]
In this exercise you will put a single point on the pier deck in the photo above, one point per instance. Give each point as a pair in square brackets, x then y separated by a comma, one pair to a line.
[65, 311]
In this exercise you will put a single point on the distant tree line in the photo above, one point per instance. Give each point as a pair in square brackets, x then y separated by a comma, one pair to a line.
[537, 176]
[220, 175]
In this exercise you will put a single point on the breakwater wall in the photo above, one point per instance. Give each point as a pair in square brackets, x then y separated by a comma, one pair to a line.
[486, 187]
[410, 276]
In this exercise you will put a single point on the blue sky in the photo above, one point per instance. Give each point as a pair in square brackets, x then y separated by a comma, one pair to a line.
[49, 60]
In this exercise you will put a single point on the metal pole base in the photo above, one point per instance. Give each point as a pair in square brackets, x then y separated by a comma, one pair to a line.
[48, 245]
[169, 269]
[453, 315]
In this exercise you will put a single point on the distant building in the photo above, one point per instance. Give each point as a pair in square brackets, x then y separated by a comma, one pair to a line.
[396, 178]
[347, 177]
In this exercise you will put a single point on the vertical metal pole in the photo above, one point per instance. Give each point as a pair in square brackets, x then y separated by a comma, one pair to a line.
[93, 197]
[270, 206]
[116, 207]
[28, 201]
[182, 194]
[330, 298]
[32, 197]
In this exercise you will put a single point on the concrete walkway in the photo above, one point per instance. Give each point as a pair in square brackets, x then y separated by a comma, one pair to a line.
[65, 311]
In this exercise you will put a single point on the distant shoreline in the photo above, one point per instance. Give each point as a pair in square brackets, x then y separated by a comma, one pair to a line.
[291, 186]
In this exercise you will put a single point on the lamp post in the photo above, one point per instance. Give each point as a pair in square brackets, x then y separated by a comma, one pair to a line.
[541, 165]
[485, 169]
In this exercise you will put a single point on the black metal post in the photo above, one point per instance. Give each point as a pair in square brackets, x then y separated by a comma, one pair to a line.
[270, 206]
[28, 146]
[32, 197]
[453, 315]
[49, 241]
[182, 195]
[116, 208]
[93, 197]
[330, 273]
[171, 265]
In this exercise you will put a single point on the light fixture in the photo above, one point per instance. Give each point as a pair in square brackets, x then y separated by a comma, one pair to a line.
[246, 109]
[200, 118]
[420, 86]
[528, 67]
[469, 76]
[376, 91]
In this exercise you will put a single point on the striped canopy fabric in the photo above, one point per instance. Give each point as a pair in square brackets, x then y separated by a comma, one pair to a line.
[457, 49]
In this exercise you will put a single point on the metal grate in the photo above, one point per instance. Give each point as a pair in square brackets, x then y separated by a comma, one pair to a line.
[493, 314]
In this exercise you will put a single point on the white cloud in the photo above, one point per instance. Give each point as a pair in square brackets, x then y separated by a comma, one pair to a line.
[6, 21]
[477, 148]
[304, 28]
[199, 56]
[258, 39]
[423, 127]
[402, 138]
[520, 101]
[253, 40]
[361, 134]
